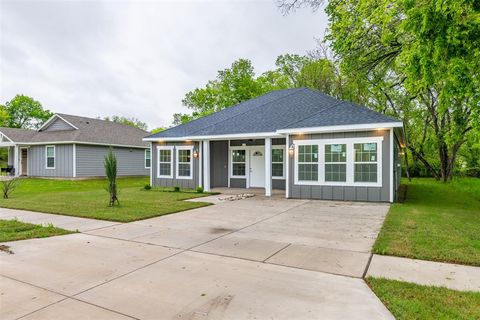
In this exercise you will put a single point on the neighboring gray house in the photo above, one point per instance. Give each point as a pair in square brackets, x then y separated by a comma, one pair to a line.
[69, 146]
[309, 144]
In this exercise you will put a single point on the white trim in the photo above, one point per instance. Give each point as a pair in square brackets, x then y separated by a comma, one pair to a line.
[220, 137]
[350, 161]
[268, 167]
[145, 158]
[15, 161]
[206, 165]
[284, 161]
[228, 163]
[74, 156]
[200, 164]
[171, 161]
[151, 166]
[178, 148]
[54, 157]
[391, 165]
[48, 122]
[344, 128]
[287, 166]
[4, 135]
[83, 142]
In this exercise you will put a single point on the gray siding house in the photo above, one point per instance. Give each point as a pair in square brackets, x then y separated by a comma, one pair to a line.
[68, 146]
[304, 142]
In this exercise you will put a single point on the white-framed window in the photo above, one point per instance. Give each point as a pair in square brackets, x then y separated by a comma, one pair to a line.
[307, 162]
[148, 159]
[50, 157]
[239, 165]
[278, 162]
[164, 162]
[366, 162]
[184, 162]
[339, 162]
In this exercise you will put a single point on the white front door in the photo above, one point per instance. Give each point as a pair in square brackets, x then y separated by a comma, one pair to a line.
[257, 167]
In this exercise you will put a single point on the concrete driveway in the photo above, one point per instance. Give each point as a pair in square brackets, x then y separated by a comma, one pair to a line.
[258, 258]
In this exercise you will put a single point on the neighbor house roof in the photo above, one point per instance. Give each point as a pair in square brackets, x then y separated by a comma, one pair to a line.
[84, 130]
[279, 112]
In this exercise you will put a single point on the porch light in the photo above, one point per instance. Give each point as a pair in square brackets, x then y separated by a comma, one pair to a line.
[291, 150]
[195, 154]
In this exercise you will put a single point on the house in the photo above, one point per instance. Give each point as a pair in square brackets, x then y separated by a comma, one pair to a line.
[304, 142]
[68, 146]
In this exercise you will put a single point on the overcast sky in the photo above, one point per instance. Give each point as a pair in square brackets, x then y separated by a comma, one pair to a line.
[138, 59]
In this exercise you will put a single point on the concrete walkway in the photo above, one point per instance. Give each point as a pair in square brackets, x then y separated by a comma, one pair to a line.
[452, 276]
[60, 221]
[255, 258]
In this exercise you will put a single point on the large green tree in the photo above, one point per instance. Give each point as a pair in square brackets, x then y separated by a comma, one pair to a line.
[23, 112]
[132, 121]
[423, 56]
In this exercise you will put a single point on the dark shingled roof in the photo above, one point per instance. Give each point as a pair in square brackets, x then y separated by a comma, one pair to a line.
[276, 110]
[89, 131]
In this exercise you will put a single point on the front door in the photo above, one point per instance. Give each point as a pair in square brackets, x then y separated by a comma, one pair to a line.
[24, 160]
[257, 167]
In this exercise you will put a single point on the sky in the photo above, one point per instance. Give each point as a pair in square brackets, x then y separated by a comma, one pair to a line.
[138, 58]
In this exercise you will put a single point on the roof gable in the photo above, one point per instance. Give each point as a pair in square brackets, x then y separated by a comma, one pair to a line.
[57, 124]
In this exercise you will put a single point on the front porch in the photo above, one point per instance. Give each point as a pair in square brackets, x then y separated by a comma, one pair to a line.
[16, 159]
[256, 165]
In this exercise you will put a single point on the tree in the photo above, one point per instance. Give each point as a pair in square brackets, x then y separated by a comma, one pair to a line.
[110, 164]
[159, 129]
[23, 112]
[428, 51]
[133, 122]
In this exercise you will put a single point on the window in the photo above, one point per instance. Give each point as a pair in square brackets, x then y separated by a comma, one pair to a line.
[308, 163]
[165, 162]
[365, 162]
[336, 162]
[147, 159]
[278, 155]
[50, 156]
[238, 163]
[184, 162]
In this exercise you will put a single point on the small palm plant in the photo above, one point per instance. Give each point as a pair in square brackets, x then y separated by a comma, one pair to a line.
[111, 173]
[8, 186]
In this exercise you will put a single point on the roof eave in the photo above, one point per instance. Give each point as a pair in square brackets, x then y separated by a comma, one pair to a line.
[256, 135]
[342, 128]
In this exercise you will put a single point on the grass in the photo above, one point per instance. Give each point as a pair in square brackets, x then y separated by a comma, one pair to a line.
[89, 199]
[12, 230]
[437, 221]
[411, 301]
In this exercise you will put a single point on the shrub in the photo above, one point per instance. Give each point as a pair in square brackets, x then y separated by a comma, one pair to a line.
[111, 173]
[8, 186]
[176, 189]
[199, 189]
[147, 187]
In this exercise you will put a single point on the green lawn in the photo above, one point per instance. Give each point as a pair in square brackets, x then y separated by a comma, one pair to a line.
[411, 301]
[89, 199]
[437, 221]
[11, 230]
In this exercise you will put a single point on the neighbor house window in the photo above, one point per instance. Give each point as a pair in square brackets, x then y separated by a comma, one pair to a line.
[165, 162]
[50, 155]
[238, 163]
[148, 160]
[184, 162]
[308, 163]
[366, 159]
[336, 162]
[277, 163]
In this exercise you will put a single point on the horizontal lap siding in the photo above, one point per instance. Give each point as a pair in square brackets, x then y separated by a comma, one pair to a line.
[90, 161]
[351, 193]
[63, 162]
[182, 183]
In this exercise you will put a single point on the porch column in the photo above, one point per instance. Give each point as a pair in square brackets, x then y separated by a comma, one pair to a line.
[15, 161]
[200, 163]
[206, 165]
[268, 167]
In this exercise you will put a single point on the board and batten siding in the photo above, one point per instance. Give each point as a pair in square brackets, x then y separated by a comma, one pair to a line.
[166, 182]
[348, 193]
[58, 125]
[63, 161]
[90, 161]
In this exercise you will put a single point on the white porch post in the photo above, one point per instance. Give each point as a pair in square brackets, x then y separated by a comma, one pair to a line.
[268, 167]
[16, 161]
[287, 167]
[206, 165]
[200, 163]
